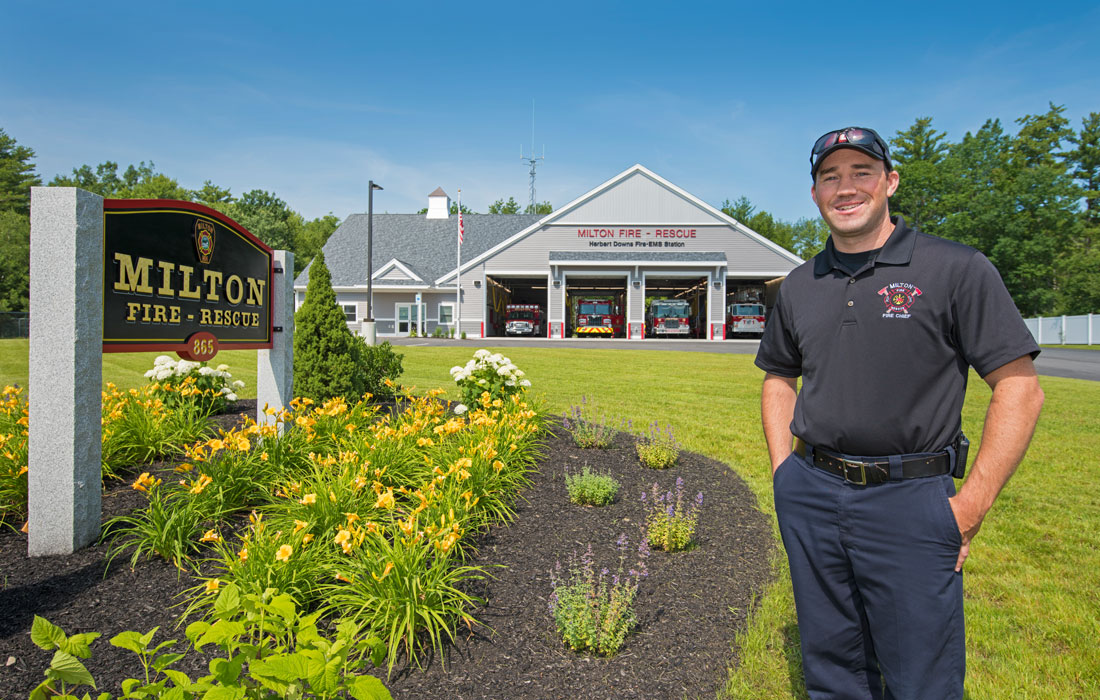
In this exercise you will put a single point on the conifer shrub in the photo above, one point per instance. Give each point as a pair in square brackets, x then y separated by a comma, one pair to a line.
[328, 359]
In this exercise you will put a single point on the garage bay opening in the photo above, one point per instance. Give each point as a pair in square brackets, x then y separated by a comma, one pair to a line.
[516, 306]
[595, 307]
[675, 307]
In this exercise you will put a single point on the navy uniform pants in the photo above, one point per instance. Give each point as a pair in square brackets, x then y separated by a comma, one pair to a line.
[880, 606]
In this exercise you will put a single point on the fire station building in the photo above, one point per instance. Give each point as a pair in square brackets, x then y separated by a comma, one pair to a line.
[633, 239]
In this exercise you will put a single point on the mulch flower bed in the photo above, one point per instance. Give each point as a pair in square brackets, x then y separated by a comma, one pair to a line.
[689, 607]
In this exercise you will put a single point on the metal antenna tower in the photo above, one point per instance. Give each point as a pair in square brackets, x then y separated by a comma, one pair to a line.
[532, 159]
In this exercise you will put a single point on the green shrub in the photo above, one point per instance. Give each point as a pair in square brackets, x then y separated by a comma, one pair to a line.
[591, 489]
[379, 367]
[325, 351]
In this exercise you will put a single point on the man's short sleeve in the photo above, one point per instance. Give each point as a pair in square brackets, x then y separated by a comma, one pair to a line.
[988, 328]
[778, 353]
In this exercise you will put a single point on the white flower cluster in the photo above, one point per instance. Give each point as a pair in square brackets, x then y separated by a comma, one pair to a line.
[485, 362]
[165, 368]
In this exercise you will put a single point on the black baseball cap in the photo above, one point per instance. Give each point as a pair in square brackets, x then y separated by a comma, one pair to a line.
[858, 137]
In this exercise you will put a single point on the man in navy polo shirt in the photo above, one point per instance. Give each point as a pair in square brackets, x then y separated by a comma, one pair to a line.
[883, 326]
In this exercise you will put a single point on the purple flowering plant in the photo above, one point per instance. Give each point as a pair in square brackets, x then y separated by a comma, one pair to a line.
[657, 448]
[594, 612]
[671, 519]
[589, 426]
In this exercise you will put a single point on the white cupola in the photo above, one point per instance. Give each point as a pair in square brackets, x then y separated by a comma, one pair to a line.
[439, 204]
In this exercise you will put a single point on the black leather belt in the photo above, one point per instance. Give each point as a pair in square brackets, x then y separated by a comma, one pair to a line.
[876, 471]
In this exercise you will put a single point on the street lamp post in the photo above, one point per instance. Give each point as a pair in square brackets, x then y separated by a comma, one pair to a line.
[369, 329]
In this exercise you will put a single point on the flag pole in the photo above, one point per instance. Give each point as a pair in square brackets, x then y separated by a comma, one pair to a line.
[458, 273]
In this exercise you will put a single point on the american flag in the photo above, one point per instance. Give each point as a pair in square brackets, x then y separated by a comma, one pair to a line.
[461, 228]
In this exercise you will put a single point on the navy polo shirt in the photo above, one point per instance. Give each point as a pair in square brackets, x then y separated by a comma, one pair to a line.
[884, 353]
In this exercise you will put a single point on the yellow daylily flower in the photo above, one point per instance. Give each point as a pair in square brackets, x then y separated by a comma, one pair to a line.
[385, 572]
[284, 553]
[385, 500]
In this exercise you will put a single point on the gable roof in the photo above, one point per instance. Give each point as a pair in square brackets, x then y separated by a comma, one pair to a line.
[424, 247]
[689, 202]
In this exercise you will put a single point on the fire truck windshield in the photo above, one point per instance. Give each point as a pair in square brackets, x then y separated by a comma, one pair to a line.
[670, 310]
[595, 309]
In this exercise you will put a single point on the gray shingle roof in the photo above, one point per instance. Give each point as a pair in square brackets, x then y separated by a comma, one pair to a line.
[425, 246]
[565, 255]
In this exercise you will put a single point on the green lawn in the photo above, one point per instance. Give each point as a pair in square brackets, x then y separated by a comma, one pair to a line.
[1073, 347]
[1033, 577]
[126, 369]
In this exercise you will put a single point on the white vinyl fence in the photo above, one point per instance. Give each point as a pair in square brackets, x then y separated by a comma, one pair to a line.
[1065, 330]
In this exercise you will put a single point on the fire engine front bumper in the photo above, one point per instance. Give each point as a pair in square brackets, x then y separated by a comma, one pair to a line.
[595, 330]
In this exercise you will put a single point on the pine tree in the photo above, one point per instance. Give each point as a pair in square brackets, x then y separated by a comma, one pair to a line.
[326, 354]
[17, 175]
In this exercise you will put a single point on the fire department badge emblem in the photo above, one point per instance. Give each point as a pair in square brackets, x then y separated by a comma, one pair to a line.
[899, 298]
[204, 240]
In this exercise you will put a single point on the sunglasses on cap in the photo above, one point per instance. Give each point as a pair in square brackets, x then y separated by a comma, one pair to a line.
[863, 139]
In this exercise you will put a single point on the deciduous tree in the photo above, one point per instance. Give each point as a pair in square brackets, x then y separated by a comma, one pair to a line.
[15, 261]
[502, 207]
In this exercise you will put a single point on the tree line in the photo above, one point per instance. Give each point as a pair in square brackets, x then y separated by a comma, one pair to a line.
[1030, 201]
[263, 213]
[502, 207]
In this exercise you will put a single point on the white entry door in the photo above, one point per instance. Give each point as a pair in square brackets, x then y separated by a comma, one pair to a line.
[406, 318]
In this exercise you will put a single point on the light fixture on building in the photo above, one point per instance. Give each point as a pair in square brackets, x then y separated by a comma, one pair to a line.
[477, 284]
[717, 284]
[637, 284]
[557, 284]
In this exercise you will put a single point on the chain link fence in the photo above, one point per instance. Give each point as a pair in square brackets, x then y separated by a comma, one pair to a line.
[15, 324]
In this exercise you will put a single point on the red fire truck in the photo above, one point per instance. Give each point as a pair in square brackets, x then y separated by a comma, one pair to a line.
[524, 319]
[600, 317]
[668, 317]
[745, 319]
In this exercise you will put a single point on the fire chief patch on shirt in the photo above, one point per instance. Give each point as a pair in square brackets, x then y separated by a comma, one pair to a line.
[899, 298]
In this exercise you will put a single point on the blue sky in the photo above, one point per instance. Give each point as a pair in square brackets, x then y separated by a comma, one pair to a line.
[723, 99]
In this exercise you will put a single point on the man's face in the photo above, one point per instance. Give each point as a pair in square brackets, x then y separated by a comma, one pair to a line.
[852, 191]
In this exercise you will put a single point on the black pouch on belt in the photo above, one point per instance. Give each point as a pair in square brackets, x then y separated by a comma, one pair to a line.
[962, 447]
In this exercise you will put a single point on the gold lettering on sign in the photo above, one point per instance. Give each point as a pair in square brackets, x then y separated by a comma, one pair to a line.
[133, 278]
[188, 292]
[166, 269]
[212, 279]
[234, 297]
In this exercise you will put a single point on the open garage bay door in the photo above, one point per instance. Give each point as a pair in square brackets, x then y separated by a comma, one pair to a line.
[675, 307]
[595, 307]
[744, 312]
[516, 306]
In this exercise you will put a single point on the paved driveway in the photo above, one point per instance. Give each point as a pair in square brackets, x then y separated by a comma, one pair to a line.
[1053, 362]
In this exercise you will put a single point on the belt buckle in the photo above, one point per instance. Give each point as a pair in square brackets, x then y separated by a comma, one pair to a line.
[850, 464]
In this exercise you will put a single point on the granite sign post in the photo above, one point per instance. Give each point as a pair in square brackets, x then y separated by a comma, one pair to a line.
[66, 363]
[128, 276]
[275, 367]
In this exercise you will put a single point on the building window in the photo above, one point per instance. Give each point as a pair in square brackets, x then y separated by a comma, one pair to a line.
[350, 310]
[446, 313]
